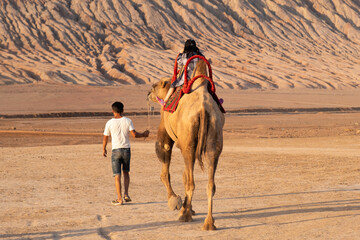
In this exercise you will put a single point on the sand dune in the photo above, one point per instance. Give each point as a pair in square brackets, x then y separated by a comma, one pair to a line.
[267, 44]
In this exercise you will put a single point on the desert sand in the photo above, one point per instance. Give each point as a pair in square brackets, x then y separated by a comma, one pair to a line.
[288, 72]
[282, 175]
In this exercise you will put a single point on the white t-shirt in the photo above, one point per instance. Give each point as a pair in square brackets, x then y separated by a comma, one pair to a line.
[119, 129]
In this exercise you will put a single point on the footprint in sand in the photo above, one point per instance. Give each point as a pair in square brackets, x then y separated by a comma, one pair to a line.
[101, 218]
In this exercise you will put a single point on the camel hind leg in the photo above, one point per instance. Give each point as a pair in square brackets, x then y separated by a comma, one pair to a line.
[211, 189]
[189, 184]
[163, 151]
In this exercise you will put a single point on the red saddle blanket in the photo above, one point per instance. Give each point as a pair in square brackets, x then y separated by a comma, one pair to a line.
[173, 101]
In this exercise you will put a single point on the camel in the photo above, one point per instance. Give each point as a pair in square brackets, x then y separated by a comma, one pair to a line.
[196, 127]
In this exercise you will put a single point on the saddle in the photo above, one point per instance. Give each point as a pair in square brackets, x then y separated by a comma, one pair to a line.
[174, 99]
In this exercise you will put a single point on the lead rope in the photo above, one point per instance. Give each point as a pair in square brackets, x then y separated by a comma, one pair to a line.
[148, 115]
[150, 110]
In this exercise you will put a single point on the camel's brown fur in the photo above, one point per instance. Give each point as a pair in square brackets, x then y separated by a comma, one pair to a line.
[196, 128]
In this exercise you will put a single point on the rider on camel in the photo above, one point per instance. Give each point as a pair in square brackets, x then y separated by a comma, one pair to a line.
[190, 50]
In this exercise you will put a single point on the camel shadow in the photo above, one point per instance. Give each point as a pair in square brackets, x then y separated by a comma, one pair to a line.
[314, 207]
[346, 206]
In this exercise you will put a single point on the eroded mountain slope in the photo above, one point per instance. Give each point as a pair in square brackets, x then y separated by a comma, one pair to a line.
[263, 44]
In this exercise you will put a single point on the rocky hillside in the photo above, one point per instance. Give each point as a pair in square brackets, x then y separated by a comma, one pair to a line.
[265, 44]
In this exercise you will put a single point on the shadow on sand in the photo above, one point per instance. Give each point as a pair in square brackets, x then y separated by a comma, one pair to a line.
[346, 206]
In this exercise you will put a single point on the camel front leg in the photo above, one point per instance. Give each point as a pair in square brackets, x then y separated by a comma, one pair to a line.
[163, 150]
[174, 201]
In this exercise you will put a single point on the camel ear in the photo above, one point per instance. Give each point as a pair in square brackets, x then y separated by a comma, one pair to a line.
[163, 84]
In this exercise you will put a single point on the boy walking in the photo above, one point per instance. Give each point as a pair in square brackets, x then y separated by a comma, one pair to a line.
[119, 128]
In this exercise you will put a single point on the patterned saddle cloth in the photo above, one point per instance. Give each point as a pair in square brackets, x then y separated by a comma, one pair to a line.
[173, 101]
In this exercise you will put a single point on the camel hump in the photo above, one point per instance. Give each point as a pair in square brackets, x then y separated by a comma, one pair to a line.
[200, 70]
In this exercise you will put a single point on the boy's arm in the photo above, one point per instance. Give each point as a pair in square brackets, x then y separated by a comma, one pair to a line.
[105, 140]
[135, 134]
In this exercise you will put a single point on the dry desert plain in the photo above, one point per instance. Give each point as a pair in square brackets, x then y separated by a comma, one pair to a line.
[289, 173]
[287, 70]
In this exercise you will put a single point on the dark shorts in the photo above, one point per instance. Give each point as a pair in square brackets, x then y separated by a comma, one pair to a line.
[120, 156]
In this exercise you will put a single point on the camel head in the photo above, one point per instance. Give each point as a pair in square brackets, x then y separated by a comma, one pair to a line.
[159, 89]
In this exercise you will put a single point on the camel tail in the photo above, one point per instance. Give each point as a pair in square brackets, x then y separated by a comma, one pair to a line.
[202, 134]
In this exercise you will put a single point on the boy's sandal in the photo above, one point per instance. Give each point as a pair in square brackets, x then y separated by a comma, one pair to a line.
[127, 199]
[116, 202]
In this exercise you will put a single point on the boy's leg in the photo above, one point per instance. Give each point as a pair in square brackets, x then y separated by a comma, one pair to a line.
[118, 187]
[126, 183]
[126, 170]
[116, 167]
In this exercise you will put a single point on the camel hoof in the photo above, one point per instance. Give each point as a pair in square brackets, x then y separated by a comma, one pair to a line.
[209, 224]
[209, 227]
[185, 216]
[175, 203]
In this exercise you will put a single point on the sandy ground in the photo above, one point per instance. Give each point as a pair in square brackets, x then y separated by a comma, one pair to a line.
[280, 176]
[290, 163]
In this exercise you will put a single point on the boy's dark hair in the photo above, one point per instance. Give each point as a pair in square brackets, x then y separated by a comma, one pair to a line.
[117, 107]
